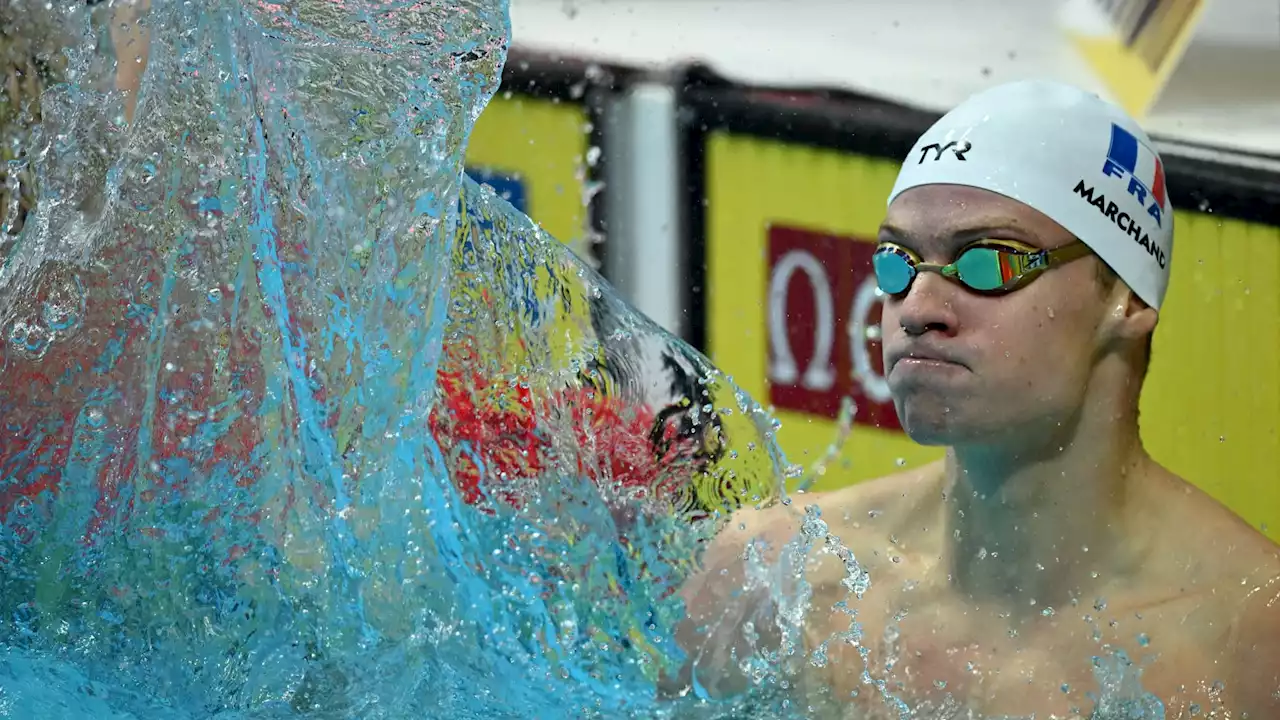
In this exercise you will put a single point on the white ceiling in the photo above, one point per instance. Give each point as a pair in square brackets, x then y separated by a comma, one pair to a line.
[929, 53]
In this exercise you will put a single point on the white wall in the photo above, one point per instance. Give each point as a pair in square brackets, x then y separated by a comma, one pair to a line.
[929, 53]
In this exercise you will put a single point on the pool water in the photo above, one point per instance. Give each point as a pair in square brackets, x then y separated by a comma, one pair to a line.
[300, 421]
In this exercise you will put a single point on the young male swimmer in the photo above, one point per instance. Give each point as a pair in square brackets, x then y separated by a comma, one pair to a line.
[1024, 256]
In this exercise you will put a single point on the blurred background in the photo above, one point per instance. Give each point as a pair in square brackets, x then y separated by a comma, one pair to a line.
[703, 154]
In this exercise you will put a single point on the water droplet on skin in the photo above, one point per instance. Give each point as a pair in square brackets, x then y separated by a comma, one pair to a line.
[1051, 313]
[1144, 640]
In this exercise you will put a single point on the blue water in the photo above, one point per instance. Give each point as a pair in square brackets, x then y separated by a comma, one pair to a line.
[300, 421]
[222, 493]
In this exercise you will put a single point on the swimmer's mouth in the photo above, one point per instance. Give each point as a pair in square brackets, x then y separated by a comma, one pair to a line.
[925, 354]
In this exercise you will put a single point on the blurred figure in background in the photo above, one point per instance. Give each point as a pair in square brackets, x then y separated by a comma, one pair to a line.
[1025, 256]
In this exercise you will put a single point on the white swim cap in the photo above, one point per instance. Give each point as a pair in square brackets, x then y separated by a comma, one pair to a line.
[1069, 154]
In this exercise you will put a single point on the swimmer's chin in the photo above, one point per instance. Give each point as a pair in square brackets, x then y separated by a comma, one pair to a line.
[933, 424]
[930, 435]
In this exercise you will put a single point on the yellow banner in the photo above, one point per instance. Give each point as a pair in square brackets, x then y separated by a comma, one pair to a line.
[1211, 405]
[774, 322]
[533, 152]
[1133, 45]
[788, 230]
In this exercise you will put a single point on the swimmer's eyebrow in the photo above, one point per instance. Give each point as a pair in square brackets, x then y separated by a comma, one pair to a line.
[1002, 228]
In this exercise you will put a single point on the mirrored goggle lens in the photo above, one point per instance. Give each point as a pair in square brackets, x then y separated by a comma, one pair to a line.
[894, 271]
[983, 268]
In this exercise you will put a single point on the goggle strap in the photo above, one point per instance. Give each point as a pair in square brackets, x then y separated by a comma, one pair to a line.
[1067, 253]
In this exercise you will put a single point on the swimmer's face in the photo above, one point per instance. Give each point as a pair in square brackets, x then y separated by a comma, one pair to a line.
[968, 368]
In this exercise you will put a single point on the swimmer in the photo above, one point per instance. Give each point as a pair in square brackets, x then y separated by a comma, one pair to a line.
[1024, 259]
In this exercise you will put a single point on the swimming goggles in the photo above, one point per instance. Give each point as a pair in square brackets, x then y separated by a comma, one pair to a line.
[989, 267]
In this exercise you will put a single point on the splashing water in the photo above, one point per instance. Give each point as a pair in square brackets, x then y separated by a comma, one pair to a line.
[1122, 696]
[299, 420]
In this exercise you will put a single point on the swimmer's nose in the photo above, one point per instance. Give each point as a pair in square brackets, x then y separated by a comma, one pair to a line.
[927, 306]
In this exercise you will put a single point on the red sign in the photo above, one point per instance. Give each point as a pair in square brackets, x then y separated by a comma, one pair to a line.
[823, 327]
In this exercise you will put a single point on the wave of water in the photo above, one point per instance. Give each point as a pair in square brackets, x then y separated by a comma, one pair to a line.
[300, 421]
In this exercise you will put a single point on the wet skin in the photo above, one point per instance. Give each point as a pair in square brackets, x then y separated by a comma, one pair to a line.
[1045, 537]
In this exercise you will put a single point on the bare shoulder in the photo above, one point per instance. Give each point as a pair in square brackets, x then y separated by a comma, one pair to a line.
[738, 574]
[866, 516]
[1203, 534]
[1209, 579]
[893, 505]
[882, 521]
[1255, 652]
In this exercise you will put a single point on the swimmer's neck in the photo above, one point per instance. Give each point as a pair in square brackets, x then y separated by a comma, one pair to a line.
[1042, 521]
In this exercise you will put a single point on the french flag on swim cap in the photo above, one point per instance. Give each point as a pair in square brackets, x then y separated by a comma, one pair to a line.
[1139, 161]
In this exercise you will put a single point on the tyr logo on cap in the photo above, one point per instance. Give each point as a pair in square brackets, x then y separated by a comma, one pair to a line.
[957, 148]
[1129, 158]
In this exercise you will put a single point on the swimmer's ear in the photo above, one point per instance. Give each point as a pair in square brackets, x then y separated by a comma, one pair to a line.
[1128, 319]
